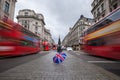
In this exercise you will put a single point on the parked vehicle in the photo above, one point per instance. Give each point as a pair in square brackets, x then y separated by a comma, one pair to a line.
[46, 46]
[54, 47]
[63, 48]
[69, 49]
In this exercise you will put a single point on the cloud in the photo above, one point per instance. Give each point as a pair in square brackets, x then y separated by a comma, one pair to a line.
[59, 14]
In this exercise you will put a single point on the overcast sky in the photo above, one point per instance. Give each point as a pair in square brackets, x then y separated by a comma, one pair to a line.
[59, 15]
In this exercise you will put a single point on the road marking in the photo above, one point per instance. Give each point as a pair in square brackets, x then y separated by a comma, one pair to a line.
[77, 53]
[80, 53]
[103, 61]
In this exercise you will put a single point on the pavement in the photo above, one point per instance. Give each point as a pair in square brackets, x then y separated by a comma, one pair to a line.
[43, 68]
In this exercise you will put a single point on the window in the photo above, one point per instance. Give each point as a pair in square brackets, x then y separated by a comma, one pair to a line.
[22, 22]
[115, 6]
[26, 13]
[95, 3]
[6, 8]
[36, 23]
[25, 26]
[102, 7]
[94, 14]
[25, 23]
[98, 10]
[97, 42]
[103, 15]
[36, 28]
[83, 27]
[35, 32]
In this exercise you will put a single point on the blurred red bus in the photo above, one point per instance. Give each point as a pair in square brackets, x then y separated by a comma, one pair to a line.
[103, 38]
[16, 40]
[46, 46]
[54, 47]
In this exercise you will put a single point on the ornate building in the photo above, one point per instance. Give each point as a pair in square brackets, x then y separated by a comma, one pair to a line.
[73, 37]
[7, 9]
[101, 8]
[32, 21]
[35, 23]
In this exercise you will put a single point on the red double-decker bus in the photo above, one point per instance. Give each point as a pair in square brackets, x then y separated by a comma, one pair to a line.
[16, 40]
[54, 47]
[46, 46]
[103, 38]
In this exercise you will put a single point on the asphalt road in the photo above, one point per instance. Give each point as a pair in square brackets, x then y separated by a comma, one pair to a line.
[7, 63]
[108, 64]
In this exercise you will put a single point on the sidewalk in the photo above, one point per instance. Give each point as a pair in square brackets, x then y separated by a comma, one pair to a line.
[72, 68]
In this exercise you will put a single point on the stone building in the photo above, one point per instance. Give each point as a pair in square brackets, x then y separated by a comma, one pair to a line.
[73, 37]
[114, 4]
[7, 9]
[32, 21]
[101, 8]
[47, 36]
[35, 23]
[65, 41]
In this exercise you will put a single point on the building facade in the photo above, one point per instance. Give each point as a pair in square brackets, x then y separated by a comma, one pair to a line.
[65, 41]
[47, 36]
[35, 23]
[7, 9]
[101, 8]
[114, 4]
[31, 21]
[73, 37]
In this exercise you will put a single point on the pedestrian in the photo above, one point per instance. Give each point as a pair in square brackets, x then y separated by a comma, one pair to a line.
[59, 49]
[59, 46]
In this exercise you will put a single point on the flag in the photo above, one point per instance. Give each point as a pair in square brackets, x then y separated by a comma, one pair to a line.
[59, 58]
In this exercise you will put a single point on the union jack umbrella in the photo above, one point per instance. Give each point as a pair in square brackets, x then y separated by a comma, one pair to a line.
[59, 58]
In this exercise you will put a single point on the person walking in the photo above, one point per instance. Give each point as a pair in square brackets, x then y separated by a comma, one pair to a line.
[59, 45]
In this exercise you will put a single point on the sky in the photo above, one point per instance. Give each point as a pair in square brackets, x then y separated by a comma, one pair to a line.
[59, 15]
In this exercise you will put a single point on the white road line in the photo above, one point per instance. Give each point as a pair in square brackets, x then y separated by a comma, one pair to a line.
[77, 53]
[80, 53]
[103, 61]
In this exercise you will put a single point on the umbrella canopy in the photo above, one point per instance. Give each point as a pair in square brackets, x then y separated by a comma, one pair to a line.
[59, 58]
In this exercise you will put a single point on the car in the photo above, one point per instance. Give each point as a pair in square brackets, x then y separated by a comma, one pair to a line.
[69, 49]
[63, 48]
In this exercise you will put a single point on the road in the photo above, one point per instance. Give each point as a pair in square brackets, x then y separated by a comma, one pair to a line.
[108, 64]
[11, 62]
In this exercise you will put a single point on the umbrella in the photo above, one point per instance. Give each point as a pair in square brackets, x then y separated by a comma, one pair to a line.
[59, 58]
